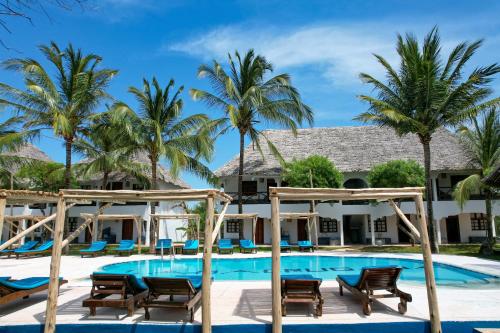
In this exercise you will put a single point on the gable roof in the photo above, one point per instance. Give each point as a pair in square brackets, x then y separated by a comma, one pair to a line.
[141, 157]
[28, 150]
[351, 149]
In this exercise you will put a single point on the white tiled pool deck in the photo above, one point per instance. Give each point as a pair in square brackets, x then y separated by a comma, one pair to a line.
[249, 302]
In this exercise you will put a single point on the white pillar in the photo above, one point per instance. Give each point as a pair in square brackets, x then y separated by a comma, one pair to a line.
[372, 228]
[147, 218]
[341, 229]
[493, 226]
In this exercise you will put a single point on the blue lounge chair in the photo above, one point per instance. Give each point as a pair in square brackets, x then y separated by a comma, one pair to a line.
[165, 244]
[26, 246]
[303, 288]
[41, 250]
[95, 248]
[123, 291]
[11, 290]
[125, 246]
[225, 245]
[190, 247]
[305, 246]
[374, 278]
[188, 286]
[285, 246]
[247, 246]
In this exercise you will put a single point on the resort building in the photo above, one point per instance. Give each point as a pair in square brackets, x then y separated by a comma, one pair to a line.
[354, 151]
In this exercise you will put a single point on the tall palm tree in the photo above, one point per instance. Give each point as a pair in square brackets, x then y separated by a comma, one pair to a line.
[483, 141]
[107, 149]
[63, 102]
[247, 97]
[157, 128]
[425, 94]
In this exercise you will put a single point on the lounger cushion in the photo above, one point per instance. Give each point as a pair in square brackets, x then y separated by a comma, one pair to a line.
[196, 280]
[26, 246]
[247, 244]
[95, 247]
[5, 277]
[191, 244]
[164, 243]
[304, 243]
[44, 247]
[284, 243]
[350, 279]
[300, 277]
[25, 284]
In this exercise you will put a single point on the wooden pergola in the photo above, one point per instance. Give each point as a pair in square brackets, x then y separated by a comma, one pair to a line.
[17, 228]
[66, 198]
[324, 194]
[189, 217]
[92, 218]
[310, 217]
[242, 216]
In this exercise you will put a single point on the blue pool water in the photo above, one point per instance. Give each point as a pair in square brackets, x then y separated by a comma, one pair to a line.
[325, 267]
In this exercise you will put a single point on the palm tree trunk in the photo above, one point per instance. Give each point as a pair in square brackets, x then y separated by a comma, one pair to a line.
[240, 181]
[428, 195]
[489, 216]
[105, 177]
[152, 228]
[67, 184]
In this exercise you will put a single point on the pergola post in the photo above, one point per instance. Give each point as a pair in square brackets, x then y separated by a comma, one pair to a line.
[55, 263]
[276, 253]
[341, 230]
[254, 225]
[428, 268]
[3, 203]
[139, 234]
[206, 320]
[372, 229]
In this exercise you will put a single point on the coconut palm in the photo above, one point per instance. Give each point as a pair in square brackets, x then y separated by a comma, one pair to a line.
[107, 149]
[157, 128]
[426, 93]
[247, 98]
[483, 141]
[63, 102]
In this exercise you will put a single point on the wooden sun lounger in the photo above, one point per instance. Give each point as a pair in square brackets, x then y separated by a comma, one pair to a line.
[372, 279]
[9, 294]
[171, 287]
[123, 285]
[301, 289]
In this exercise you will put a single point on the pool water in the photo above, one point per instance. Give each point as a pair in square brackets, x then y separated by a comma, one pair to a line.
[325, 267]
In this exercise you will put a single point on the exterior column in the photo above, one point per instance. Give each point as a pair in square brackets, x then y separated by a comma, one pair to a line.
[148, 224]
[3, 203]
[341, 229]
[372, 228]
[276, 264]
[435, 202]
[438, 228]
[493, 226]
[206, 320]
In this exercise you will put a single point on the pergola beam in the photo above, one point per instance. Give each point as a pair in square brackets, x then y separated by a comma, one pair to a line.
[402, 216]
[241, 216]
[220, 218]
[179, 216]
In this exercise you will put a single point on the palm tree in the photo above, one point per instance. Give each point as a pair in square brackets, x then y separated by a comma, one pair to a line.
[483, 141]
[63, 102]
[247, 98]
[425, 94]
[158, 129]
[107, 149]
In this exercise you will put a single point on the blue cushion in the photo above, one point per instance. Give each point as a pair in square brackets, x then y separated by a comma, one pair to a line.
[284, 243]
[350, 279]
[225, 243]
[96, 246]
[126, 244]
[196, 280]
[191, 244]
[300, 277]
[25, 284]
[44, 247]
[305, 243]
[164, 243]
[4, 277]
[247, 244]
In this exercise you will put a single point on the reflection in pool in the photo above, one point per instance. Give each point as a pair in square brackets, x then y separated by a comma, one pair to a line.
[325, 267]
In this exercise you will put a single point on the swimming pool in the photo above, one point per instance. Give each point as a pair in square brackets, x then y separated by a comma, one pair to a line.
[325, 267]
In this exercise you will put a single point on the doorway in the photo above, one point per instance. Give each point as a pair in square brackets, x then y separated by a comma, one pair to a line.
[127, 229]
[453, 229]
[259, 231]
[403, 236]
[302, 230]
[353, 229]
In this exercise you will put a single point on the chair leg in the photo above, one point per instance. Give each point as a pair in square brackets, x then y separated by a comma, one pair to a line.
[341, 290]
[146, 313]
[93, 311]
[283, 309]
[402, 306]
[130, 310]
[191, 315]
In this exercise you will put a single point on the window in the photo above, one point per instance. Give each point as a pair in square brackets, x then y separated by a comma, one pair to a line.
[478, 221]
[249, 187]
[327, 224]
[138, 187]
[380, 225]
[233, 226]
[72, 223]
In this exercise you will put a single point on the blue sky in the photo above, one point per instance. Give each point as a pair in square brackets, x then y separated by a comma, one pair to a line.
[323, 45]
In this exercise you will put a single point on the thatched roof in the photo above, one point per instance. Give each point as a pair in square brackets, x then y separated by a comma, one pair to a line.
[29, 151]
[493, 179]
[351, 149]
[163, 174]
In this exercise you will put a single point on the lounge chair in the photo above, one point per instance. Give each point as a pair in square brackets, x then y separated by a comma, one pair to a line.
[11, 290]
[165, 244]
[247, 246]
[95, 248]
[301, 289]
[305, 246]
[187, 286]
[126, 246]
[126, 289]
[41, 250]
[371, 279]
[190, 247]
[26, 246]
[225, 245]
[285, 246]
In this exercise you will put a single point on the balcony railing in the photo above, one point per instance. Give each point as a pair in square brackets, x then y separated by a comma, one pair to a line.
[446, 194]
[250, 198]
